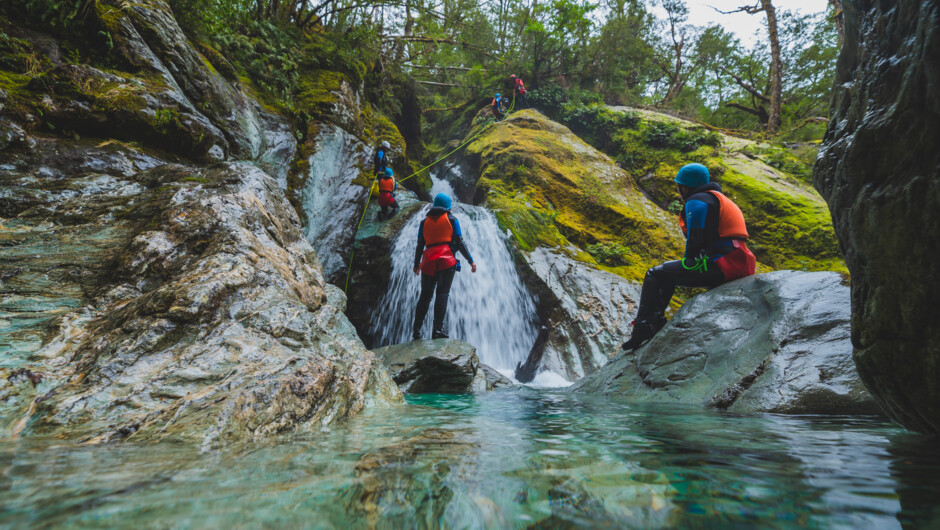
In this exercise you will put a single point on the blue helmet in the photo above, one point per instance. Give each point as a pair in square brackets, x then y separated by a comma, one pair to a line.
[497, 94]
[692, 175]
[442, 200]
[389, 172]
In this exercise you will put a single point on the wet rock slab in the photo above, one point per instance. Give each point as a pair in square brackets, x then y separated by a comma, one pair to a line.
[777, 342]
[445, 366]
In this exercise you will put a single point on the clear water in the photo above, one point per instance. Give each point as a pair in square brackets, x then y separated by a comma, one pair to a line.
[490, 309]
[514, 459]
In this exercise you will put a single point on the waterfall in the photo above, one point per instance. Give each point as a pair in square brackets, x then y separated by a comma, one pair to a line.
[490, 309]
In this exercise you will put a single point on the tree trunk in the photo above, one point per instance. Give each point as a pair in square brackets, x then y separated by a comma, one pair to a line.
[840, 22]
[776, 68]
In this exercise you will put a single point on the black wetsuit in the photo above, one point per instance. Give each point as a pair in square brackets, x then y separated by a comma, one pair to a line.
[443, 279]
[661, 281]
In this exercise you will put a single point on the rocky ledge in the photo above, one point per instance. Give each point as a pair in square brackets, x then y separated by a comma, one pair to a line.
[446, 366]
[777, 342]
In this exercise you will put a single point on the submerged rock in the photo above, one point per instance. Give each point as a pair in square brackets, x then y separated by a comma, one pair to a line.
[776, 342]
[446, 366]
[879, 170]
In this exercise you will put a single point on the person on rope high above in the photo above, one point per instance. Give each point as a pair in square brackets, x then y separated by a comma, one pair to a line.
[439, 237]
[387, 187]
[715, 251]
[498, 107]
[521, 101]
[380, 162]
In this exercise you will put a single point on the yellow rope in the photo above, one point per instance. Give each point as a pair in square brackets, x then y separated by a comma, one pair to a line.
[418, 172]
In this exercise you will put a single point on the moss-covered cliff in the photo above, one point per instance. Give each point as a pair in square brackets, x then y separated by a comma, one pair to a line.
[551, 188]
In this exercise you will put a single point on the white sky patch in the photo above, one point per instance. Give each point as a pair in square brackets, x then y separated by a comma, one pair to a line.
[748, 28]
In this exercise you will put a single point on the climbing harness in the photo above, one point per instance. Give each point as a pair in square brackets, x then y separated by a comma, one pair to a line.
[416, 173]
[701, 265]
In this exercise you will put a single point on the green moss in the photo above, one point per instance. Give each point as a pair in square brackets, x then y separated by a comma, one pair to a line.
[317, 92]
[551, 190]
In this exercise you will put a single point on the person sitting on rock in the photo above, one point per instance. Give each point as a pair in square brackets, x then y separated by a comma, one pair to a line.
[439, 237]
[498, 107]
[380, 162]
[519, 87]
[387, 187]
[715, 251]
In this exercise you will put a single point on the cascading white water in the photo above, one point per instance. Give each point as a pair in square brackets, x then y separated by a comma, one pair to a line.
[490, 309]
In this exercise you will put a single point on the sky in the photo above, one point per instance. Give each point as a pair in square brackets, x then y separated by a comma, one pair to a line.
[701, 13]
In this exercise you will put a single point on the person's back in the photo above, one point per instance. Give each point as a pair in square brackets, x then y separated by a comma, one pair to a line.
[715, 251]
[439, 237]
[497, 107]
[380, 161]
[387, 187]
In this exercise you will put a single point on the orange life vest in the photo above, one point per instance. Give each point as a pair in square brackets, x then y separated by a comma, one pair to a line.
[387, 184]
[730, 219]
[520, 86]
[438, 230]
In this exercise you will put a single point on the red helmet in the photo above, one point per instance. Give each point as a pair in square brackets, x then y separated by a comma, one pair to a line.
[513, 76]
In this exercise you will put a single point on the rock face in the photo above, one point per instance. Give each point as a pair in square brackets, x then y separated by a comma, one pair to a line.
[213, 322]
[445, 366]
[147, 297]
[590, 316]
[776, 342]
[371, 265]
[879, 170]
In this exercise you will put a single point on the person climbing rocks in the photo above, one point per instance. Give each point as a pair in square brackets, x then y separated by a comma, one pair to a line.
[387, 187]
[521, 101]
[439, 237]
[498, 107]
[380, 162]
[715, 251]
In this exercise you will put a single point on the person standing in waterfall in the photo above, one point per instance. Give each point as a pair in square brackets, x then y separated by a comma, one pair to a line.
[387, 187]
[439, 237]
[715, 251]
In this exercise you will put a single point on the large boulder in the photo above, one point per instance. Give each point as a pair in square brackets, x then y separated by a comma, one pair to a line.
[590, 315]
[445, 366]
[202, 316]
[879, 169]
[776, 342]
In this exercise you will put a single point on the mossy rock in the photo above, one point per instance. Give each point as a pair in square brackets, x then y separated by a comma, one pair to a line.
[789, 223]
[551, 189]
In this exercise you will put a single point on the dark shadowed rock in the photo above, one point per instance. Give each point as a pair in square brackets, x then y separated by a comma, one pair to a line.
[776, 342]
[879, 170]
[446, 366]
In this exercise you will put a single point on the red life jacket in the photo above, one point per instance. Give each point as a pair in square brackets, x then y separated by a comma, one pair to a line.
[520, 86]
[438, 233]
[740, 262]
[730, 219]
[387, 184]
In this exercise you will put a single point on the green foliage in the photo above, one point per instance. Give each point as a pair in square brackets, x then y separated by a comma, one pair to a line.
[57, 14]
[613, 254]
[665, 135]
[269, 55]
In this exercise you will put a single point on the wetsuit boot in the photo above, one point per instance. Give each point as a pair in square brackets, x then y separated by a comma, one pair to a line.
[643, 331]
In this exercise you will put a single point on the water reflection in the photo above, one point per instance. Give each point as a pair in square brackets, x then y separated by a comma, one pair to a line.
[520, 458]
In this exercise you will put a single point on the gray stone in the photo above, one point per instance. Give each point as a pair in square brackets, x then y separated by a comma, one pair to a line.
[494, 379]
[590, 316]
[879, 170]
[447, 366]
[776, 342]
